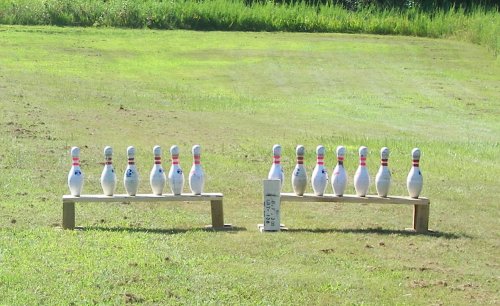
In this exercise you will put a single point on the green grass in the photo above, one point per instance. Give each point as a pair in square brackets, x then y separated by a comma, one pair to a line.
[237, 94]
[477, 24]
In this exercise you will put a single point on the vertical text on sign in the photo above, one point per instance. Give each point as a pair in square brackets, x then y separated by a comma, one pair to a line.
[272, 205]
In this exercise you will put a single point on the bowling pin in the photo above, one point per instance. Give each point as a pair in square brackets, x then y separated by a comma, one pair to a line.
[299, 175]
[131, 177]
[361, 177]
[157, 178]
[319, 177]
[75, 176]
[414, 181]
[339, 176]
[108, 176]
[196, 175]
[276, 172]
[175, 175]
[383, 177]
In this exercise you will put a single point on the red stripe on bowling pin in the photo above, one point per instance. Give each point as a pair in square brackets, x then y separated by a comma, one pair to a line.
[175, 159]
[383, 162]
[76, 161]
[300, 160]
[362, 161]
[319, 160]
[157, 160]
[415, 162]
[131, 161]
[196, 159]
[277, 159]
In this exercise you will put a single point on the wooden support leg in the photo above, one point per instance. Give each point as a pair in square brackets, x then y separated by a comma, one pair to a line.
[68, 221]
[217, 214]
[421, 218]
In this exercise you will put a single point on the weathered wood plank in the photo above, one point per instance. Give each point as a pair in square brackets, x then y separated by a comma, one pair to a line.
[421, 218]
[215, 199]
[142, 198]
[349, 198]
[217, 211]
[68, 221]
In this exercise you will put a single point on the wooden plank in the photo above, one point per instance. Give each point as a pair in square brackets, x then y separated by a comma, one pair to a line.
[349, 198]
[217, 211]
[142, 198]
[68, 221]
[421, 218]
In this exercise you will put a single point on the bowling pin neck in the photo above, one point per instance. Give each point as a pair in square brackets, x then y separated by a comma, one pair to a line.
[277, 159]
[384, 162]
[340, 160]
[131, 161]
[108, 159]
[300, 160]
[196, 160]
[76, 161]
[319, 160]
[175, 159]
[362, 161]
[415, 163]
[157, 160]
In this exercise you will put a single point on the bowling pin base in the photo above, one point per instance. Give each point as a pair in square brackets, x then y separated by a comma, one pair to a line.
[261, 228]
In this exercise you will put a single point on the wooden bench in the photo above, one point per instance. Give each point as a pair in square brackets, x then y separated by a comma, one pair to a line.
[68, 220]
[421, 205]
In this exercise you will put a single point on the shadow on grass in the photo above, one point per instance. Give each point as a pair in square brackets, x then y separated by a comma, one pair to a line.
[381, 231]
[166, 231]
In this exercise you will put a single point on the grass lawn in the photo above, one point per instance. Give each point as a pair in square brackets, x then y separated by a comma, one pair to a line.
[237, 94]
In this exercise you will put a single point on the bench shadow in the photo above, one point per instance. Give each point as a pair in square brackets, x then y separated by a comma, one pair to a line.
[381, 231]
[164, 231]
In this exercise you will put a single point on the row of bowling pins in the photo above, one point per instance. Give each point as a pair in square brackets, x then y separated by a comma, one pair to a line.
[157, 177]
[319, 178]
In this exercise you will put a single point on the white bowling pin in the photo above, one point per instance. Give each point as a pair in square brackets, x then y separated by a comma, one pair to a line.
[131, 176]
[414, 181]
[196, 175]
[108, 176]
[157, 178]
[75, 176]
[175, 175]
[383, 177]
[276, 172]
[319, 177]
[299, 175]
[339, 176]
[361, 177]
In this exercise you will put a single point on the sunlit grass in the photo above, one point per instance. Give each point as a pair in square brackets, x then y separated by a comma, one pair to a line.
[237, 94]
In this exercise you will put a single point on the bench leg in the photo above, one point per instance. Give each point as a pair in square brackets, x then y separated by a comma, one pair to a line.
[217, 214]
[68, 221]
[421, 218]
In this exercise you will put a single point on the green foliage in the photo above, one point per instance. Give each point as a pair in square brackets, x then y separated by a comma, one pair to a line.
[472, 23]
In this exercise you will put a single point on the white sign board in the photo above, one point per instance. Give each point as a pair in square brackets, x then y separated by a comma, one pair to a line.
[272, 189]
